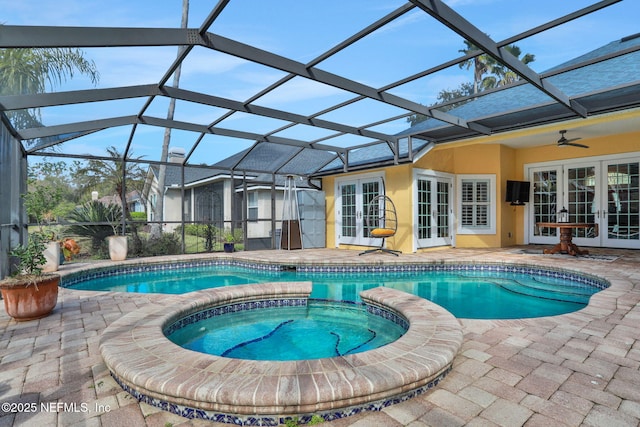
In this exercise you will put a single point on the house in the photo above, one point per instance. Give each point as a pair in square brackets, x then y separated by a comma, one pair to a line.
[213, 196]
[453, 192]
[134, 201]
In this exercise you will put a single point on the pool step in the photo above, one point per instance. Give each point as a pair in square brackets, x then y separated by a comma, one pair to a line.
[538, 288]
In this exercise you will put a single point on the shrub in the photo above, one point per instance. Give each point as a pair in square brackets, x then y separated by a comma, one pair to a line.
[167, 244]
[91, 218]
[31, 255]
[138, 216]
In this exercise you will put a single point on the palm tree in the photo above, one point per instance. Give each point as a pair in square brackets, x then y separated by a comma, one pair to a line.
[28, 71]
[480, 64]
[504, 75]
[499, 74]
[488, 73]
[158, 209]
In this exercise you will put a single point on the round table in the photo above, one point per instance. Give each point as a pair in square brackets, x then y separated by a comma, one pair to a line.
[566, 235]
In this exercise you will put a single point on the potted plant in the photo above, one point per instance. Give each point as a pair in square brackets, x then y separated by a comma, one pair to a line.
[118, 244]
[30, 293]
[229, 242]
[68, 247]
[93, 212]
[40, 203]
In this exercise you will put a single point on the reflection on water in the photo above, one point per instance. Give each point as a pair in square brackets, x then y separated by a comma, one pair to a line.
[466, 294]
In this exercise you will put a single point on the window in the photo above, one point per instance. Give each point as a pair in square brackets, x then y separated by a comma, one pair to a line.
[252, 207]
[477, 204]
[152, 206]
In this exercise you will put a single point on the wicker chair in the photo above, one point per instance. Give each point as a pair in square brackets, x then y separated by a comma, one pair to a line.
[381, 222]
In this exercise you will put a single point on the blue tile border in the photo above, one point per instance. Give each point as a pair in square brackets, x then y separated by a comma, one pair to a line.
[268, 420]
[210, 312]
[207, 313]
[101, 272]
[388, 315]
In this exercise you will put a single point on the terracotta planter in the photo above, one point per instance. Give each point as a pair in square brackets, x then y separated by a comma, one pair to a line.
[52, 255]
[28, 300]
[117, 248]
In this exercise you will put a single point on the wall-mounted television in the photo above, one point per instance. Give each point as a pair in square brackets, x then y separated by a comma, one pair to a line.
[518, 192]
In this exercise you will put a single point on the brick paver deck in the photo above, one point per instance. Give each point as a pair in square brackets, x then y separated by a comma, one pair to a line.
[577, 369]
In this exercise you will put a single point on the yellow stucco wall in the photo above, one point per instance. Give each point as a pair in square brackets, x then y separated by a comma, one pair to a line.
[493, 159]
[398, 186]
[478, 157]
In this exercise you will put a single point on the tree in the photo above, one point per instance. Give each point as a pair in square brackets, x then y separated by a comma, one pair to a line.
[53, 178]
[28, 71]
[158, 210]
[117, 176]
[488, 73]
[480, 63]
[504, 75]
[446, 101]
[109, 174]
[40, 202]
[483, 64]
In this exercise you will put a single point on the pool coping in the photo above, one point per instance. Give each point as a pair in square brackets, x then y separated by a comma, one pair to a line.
[156, 371]
[69, 279]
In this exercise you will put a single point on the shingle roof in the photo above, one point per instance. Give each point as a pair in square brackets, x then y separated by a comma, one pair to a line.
[377, 153]
[596, 84]
[174, 174]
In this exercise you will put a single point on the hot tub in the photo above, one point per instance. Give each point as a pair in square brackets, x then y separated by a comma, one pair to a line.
[196, 385]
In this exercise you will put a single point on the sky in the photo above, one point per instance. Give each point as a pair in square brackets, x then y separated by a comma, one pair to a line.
[301, 31]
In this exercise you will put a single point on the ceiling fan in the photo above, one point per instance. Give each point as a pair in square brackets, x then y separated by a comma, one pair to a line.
[563, 141]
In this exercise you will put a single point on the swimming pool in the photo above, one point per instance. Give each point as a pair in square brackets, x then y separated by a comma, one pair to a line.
[478, 291]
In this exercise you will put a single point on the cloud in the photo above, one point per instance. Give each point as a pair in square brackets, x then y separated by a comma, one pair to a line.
[408, 18]
[458, 3]
[210, 62]
[299, 89]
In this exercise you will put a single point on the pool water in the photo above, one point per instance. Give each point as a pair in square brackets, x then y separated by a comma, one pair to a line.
[466, 293]
[289, 333]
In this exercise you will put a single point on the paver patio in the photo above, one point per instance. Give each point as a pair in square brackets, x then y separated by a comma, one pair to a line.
[577, 369]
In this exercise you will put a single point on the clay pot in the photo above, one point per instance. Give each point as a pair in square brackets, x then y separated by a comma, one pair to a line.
[30, 298]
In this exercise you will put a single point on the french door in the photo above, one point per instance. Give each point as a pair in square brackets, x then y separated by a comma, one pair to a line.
[546, 202]
[603, 192]
[620, 216]
[433, 210]
[353, 197]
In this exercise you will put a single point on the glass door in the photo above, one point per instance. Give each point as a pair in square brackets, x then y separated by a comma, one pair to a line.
[351, 210]
[433, 225]
[582, 200]
[544, 203]
[605, 193]
[620, 213]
